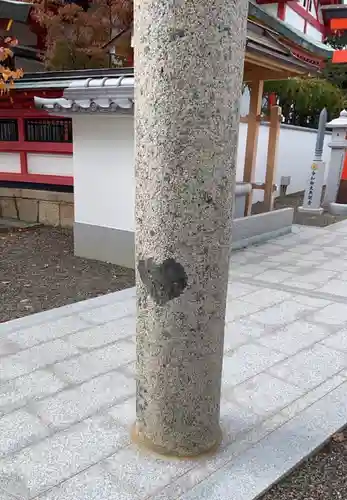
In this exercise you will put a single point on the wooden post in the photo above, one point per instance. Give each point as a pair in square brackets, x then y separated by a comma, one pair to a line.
[256, 90]
[271, 163]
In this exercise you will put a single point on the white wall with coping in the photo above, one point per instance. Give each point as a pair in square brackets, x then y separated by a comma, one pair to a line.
[104, 187]
[312, 32]
[50, 164]
[271, 8]
[111, 153]
[294, 19]
[295, 155]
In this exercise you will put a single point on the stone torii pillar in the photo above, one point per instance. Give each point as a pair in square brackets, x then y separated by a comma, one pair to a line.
[189, 58]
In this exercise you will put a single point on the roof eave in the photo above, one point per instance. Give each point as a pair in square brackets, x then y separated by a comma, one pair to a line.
[334, 12]
[15, 10]
[288, 32]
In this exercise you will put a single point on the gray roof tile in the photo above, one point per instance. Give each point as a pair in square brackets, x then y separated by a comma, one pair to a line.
[93, 95]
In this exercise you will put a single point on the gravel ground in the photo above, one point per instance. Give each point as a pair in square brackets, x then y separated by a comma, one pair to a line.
[322, 477]
[38, 271]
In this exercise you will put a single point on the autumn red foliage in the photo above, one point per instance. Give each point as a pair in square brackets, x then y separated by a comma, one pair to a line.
[78, 34]
[8, 73]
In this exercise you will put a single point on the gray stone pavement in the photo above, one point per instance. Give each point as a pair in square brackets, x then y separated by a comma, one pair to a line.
[67, 390]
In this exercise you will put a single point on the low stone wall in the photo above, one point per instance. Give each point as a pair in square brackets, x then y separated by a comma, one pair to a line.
[259, 228]
[47, 207]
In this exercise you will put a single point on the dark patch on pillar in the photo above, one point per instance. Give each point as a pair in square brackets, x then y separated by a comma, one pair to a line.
[165, 281]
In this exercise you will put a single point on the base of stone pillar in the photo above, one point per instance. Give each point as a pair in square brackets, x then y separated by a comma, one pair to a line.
[337, 208]
[138, 438]
[313, 211]
[342, 192]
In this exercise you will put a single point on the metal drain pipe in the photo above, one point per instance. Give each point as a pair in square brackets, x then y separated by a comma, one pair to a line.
[241, 191]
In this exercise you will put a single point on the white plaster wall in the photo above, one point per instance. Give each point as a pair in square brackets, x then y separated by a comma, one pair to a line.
[10, 162]
[295, 155]
[50, 164]
[104, 177]
[313, 33]
[271, 8]
[294, 19]
[245, 102]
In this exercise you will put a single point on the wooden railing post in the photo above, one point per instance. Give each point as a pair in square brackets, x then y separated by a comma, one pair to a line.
[271, 163]
[256, 91]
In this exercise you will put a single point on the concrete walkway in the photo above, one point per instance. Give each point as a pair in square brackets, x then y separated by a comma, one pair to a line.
[67, 384]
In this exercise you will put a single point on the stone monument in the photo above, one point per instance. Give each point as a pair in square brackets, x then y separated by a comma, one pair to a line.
[189, 59]
[315, 182]
[338, 147]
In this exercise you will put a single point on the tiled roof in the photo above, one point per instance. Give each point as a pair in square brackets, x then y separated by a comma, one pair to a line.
[93, 95]
[286, 30]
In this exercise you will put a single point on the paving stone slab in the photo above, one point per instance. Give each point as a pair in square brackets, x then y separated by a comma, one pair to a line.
[19, 392]
[71, 309]
[125, 412]
[208, 465]
[249, 475]
[239, 308]
[335, 287]
[246, 361]
[273, 276]
[310, 367]
[45, 332]
[110, 312]
[143, 474]
[264, 394]
[32, 359]
[266, 297]
[281, 314]
[63, 455]
[333, 314]
[295, 337]
[311, 397]
[89, 365]
[75, 404]
[19, 429]
[337, 341]
[101, 335]
[93, 484]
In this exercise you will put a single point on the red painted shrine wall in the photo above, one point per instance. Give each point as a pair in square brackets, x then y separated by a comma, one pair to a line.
[28, 125]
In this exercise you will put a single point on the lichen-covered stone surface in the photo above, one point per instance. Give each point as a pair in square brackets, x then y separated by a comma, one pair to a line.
[189, 66]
